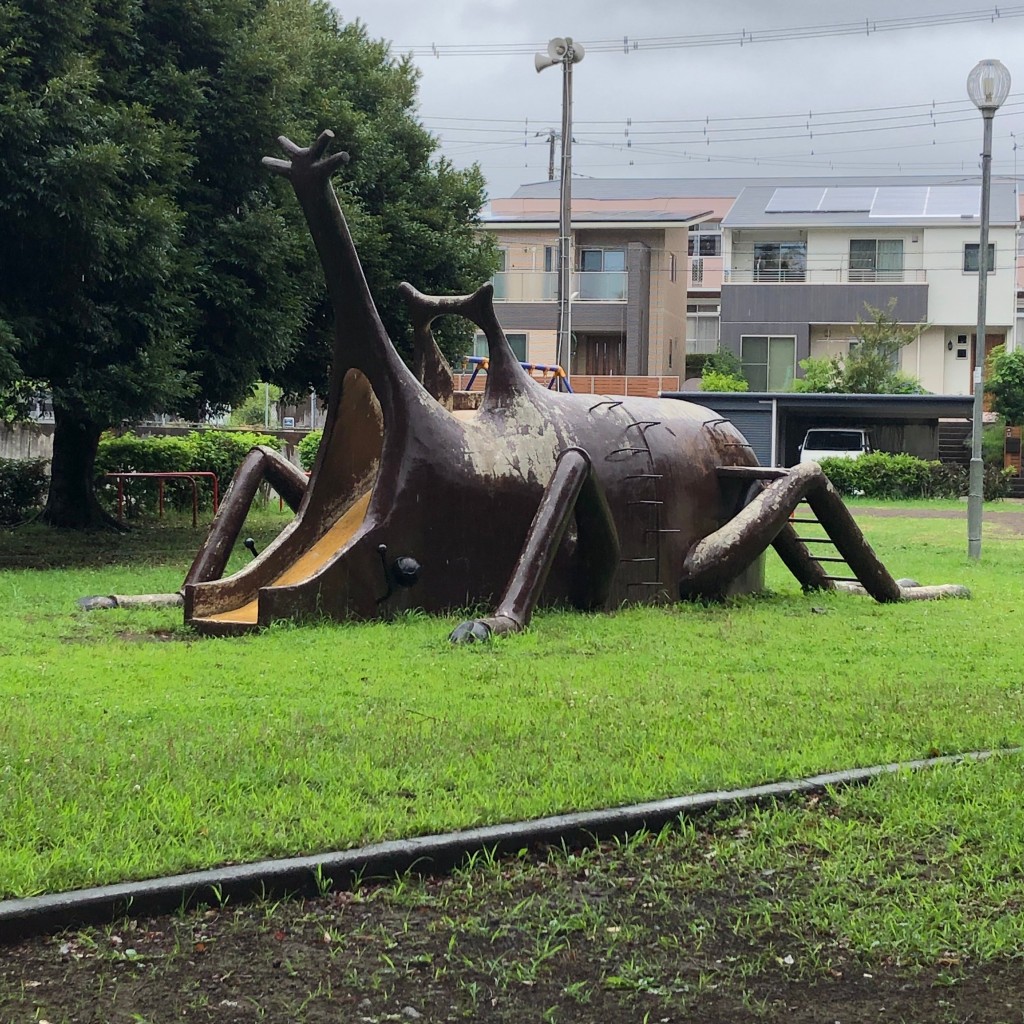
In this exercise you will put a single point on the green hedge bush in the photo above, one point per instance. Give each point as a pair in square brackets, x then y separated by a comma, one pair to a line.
[893, 477]
[308, 447]
[23, 484]
[207, 451]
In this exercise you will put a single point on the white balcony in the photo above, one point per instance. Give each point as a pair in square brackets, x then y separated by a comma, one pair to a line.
[525, 286]
[542, 286]
[823, 275]
[600, 286]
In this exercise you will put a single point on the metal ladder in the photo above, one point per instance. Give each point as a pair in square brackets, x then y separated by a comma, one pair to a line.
[804, 516]
[647, 501]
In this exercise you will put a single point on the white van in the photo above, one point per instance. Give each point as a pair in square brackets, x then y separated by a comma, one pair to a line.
[834, 443]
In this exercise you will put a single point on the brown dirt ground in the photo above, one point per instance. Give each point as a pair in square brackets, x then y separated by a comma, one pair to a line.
[562, 939]
[1008, 518]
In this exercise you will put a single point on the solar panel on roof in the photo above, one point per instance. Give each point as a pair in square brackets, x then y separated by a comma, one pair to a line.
[794, 200]
[847, 200]
[900, 201]
[953, 201]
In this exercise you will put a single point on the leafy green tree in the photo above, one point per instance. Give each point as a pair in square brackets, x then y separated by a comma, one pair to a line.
[870, 366]
[90, 275]
[262, 398]
[150, 262]
[1005, 383]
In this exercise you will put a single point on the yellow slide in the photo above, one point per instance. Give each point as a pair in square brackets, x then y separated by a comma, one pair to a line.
[307, 565]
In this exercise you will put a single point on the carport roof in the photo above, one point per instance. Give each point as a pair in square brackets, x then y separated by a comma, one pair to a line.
[916, 407]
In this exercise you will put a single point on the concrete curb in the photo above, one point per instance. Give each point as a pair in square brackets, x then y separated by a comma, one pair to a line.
[35, 915]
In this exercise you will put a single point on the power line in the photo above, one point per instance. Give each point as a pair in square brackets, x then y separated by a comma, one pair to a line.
[743, 37]
[813, 124]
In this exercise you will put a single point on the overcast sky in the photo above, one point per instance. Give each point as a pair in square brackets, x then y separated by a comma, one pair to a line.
[848, 104]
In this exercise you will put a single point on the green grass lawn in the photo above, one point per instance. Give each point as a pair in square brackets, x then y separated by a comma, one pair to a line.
[131, 748]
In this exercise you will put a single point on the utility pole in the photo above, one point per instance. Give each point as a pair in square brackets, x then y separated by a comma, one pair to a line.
[564, 52]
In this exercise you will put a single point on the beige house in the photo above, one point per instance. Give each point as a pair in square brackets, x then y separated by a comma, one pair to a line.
[632, 280]
[772, 270]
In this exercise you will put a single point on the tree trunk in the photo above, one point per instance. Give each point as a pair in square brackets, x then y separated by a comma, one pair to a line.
[71, 502]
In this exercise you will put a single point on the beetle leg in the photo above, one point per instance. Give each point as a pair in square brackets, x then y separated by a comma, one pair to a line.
[260, 464]
[572, 489]
[722, 555]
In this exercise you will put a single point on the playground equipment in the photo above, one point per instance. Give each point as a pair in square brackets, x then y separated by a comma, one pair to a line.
[559, 378]
[535, 498]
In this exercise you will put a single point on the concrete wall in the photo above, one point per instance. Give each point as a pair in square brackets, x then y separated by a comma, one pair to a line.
[26, 441]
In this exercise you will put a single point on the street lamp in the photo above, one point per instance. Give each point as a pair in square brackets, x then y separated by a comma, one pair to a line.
[988, 85]
[564, 52]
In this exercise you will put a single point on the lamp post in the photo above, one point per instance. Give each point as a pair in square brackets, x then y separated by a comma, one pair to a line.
[564, 52]
[988, 85]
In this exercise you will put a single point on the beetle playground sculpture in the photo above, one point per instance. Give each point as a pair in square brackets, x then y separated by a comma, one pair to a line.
[535, 498]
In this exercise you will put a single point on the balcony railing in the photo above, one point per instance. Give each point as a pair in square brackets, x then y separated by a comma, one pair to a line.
[542, 286]
[601, 286]
[525, 286]
[835, 275]
[706, 271]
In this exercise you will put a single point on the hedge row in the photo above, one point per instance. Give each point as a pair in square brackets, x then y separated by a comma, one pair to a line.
[891, 477]
[23, 484]
[208, 451]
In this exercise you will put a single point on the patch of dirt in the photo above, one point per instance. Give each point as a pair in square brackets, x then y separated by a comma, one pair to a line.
[568, 939]
[1008, 519]
[152, 635]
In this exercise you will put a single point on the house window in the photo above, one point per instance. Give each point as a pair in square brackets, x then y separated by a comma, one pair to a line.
[704, 240]
[602, 275]
[876, 259]
[550, 258]
[780, 261]
[769, 363]
[672, 267]
[971, 250]
[600, 260]
[517, 341]
[702, 327]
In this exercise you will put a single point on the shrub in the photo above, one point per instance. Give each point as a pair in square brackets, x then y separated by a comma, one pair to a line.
[23, 484]
[993, 443]
[308, 447]
[722, 361]
[208, 451]
[715, 380]
[890, 477]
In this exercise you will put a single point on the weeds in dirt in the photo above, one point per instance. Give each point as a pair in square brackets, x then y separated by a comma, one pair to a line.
[719, 919]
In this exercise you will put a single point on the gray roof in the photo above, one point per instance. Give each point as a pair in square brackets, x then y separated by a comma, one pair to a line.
[595, 217]
[870, 203]
[674, 188]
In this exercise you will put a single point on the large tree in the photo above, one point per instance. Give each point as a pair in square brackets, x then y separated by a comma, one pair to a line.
[149, 261]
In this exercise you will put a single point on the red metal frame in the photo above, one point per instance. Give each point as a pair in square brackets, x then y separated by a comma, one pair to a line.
[160, 478]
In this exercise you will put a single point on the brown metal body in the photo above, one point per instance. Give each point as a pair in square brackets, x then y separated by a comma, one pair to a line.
[458, 491]
[535, 498]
